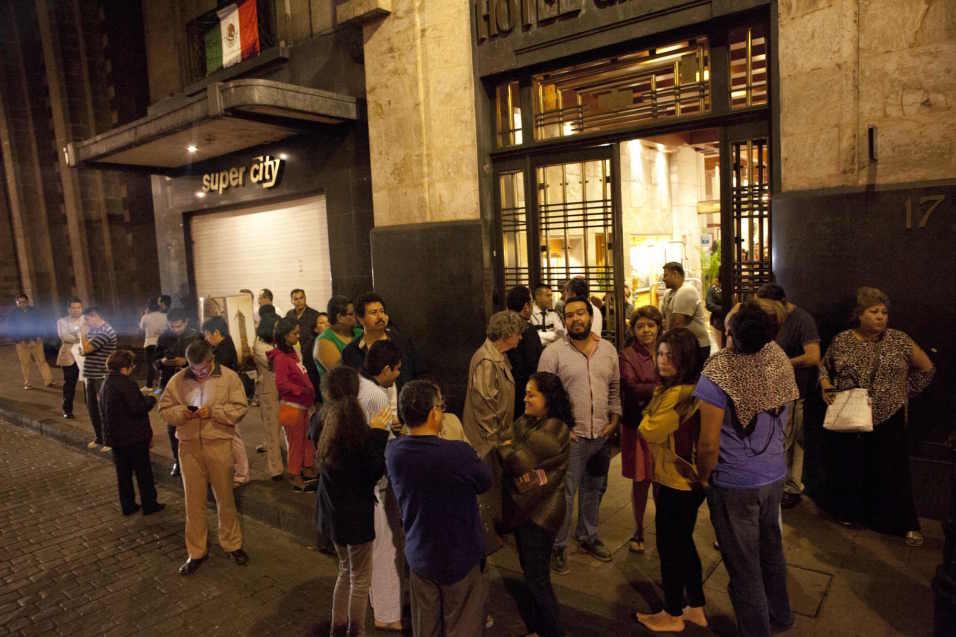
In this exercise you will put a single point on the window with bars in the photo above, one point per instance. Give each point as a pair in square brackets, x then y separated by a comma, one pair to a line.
[621, 91]
[514, 229]
[751, 210]
[508, 114]
[748, 67]
[576, 224]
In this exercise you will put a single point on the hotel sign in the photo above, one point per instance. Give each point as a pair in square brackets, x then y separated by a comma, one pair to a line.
[498, 18]
[263, 172]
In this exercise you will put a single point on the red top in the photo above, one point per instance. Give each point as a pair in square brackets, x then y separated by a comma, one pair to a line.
[292, 381]
[638, 379]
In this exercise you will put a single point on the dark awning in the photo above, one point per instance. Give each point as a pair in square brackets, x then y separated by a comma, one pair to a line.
[226, 117]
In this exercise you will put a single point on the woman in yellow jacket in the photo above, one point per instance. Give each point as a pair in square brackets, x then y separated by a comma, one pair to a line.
[670, 426]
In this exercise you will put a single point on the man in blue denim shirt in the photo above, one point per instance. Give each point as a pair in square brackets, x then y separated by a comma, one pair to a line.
[588, 368]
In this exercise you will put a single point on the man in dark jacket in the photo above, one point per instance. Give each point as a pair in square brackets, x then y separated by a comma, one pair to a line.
[124, 410]
[306, 317]
[268, 317]
[370, 313]
[216, 332]
[170, 358]
[524, 358]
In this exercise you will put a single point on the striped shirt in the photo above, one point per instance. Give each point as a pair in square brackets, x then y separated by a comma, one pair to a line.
[103, 340]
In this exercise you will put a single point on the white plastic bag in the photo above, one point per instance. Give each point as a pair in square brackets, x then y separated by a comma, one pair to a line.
[850, 411]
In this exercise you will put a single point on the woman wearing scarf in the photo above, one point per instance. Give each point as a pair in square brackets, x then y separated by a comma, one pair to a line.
[638, 380]
[671, 424]
[871, 471]
[744, 392]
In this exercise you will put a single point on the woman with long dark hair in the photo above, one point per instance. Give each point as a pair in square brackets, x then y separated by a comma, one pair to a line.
[296, 397]
[534, 461]
[670, 424]
[351, 457]
[638, 380]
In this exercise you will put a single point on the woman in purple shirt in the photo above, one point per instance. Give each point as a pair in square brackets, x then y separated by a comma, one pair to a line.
[744, 392]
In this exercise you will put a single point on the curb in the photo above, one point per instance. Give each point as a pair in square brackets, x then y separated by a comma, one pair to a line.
[267, 502]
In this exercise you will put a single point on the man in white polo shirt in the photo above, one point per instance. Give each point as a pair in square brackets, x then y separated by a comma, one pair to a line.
[682, 307]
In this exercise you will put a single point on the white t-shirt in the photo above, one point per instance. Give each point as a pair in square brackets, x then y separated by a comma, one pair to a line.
[685, 300]
[153, 324]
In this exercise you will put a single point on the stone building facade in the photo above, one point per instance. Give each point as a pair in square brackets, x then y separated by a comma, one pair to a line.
[72, 70]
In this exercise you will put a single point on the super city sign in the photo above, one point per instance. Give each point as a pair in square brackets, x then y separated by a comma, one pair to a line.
[264, 172]
[497, 18]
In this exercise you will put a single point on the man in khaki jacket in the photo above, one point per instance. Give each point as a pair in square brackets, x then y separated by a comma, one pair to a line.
[204, 402]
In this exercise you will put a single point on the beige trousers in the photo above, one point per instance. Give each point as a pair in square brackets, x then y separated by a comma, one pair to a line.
[208, 462]
[272, 432]
[33, 350]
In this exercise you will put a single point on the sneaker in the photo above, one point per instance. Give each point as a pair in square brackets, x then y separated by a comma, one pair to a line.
[559, 561]
[597, 550]
[92, 444]
[106, 449]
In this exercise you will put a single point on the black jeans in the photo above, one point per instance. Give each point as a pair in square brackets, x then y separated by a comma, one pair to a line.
[129, 460]
[680, 564]
[93, 407]
[534, 552]
[150, 352]
[70, 376]
[747, 524]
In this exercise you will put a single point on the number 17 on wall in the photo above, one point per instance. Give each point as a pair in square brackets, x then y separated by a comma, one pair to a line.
[932, 200]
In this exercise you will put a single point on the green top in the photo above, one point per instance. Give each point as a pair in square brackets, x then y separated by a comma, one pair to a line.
[330, 335]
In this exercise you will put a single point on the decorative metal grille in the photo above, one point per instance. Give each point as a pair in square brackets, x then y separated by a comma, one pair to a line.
[514, 229]
[621, 91]
[751, 209]
[576, 224]
[748, 67]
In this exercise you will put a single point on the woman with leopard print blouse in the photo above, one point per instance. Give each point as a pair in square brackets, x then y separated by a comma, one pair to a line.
[871, 473]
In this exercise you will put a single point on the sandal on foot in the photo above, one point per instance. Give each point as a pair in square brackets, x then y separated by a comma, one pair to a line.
[914, 538]
[635, 545]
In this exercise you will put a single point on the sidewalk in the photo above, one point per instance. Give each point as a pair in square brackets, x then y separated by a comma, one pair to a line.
[841, 581]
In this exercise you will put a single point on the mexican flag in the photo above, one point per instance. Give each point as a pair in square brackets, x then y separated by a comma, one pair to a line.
[234, 38]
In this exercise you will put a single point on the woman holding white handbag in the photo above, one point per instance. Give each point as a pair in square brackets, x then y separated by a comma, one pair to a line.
[869, 471]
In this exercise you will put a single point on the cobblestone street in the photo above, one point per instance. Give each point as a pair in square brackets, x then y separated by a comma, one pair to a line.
[70, 564]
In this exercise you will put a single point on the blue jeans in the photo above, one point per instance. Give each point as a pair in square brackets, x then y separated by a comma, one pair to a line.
[747, 524]
[592, 488]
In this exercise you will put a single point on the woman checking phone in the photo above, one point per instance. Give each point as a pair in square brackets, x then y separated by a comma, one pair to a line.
[534, 456]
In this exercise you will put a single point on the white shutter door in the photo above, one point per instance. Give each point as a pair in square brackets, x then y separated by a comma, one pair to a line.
[280, 248]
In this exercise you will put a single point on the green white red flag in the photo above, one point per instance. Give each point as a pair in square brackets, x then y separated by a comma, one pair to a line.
[235, 38]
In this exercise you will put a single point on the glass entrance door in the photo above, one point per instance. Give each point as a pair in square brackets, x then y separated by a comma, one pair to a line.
[574, 209]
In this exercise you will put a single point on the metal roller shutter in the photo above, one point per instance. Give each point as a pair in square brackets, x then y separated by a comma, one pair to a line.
[277, 247]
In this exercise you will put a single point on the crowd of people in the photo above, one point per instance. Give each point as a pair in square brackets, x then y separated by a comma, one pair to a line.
[412, 500]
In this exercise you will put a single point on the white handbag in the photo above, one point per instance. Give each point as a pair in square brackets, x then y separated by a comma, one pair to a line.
[850, 411]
